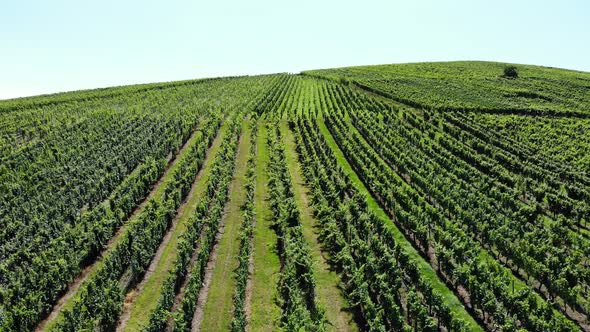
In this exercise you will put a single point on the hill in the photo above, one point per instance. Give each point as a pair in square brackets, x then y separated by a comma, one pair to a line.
[412, 197]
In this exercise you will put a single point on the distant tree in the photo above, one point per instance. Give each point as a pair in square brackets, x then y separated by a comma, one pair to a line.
[510, 72]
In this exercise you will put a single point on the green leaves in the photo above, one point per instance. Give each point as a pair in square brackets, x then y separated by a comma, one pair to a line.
[296, 286]
[239, 322]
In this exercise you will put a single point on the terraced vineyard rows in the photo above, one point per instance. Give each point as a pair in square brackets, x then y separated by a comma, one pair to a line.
[418, 197]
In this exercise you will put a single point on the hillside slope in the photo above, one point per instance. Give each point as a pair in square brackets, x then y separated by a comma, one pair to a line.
[411, 197]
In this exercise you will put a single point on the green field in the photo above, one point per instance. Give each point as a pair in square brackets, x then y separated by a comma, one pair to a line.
[450, 196]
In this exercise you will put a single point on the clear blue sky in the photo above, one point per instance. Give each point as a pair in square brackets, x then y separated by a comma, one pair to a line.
[60, 45]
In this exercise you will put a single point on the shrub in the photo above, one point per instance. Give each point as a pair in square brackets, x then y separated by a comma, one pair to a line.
[510, 72]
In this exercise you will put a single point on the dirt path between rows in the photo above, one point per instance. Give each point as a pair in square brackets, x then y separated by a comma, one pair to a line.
[249, 284]
[74, 286]
[248, 296]
[204, 292]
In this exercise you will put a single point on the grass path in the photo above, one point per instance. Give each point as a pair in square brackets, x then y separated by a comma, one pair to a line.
[156, 192]
[328, 294]
[219, 303]
[141, 301]
[263, 310]
[425, 269]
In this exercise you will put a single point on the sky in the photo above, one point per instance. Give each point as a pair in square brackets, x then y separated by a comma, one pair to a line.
[63, 45]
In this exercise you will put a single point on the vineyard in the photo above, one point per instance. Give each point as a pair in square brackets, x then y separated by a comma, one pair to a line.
[413, 197]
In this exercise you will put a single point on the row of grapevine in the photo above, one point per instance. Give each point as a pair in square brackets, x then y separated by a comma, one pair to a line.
[562, 143]
[53, 268]
[242, 272]
[67, 190]
[461, 260]
[476, 216]
[48, 185]
[411, 146]
[278, 92]
[198, 240]
[84, 242]
[541, 179]
[382, 281]
[544, 248]
[500, 135]
[548, 257]
[475, 86]
[100, 95]
[297, 97]
[296, 288]
[99, 301]
[562, 191]
[108, 161]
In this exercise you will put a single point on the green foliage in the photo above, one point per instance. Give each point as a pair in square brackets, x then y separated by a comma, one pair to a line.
[510, 72]
[296, 287]
[562, 142]
[371, 264]
[76, 170]
[420, 213]
[204, 224]
[474, 86]
[485, 177]
[137, 247]
[239, 321]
